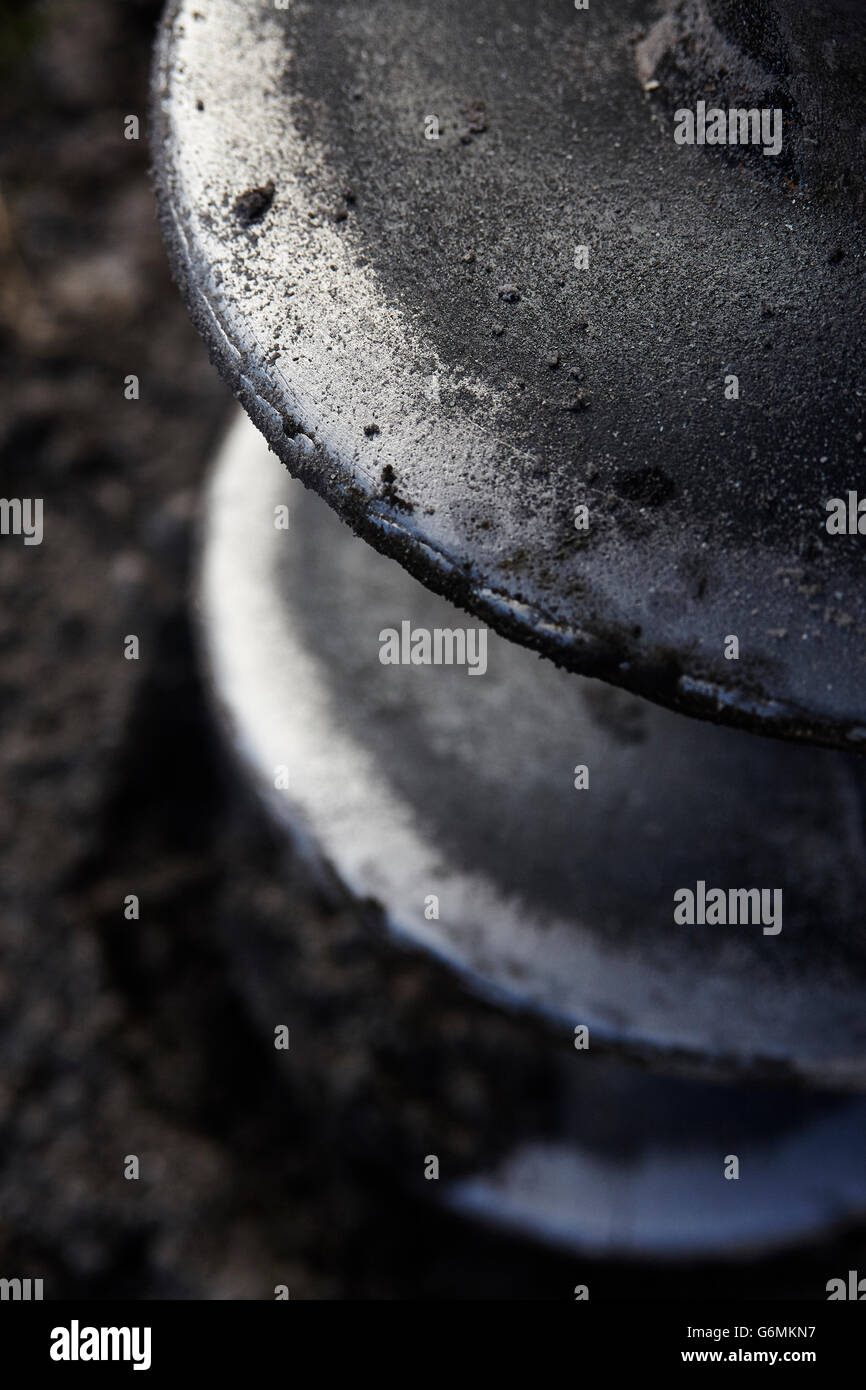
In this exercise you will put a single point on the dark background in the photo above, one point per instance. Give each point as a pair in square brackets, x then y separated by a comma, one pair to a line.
[135, 1037]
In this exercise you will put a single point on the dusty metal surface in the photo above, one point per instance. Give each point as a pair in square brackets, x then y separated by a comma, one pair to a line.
[807, 60]
[403, 319]
[416, 780]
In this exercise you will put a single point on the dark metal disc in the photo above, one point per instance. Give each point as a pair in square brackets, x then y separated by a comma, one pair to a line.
[412, 781]
[403, 319]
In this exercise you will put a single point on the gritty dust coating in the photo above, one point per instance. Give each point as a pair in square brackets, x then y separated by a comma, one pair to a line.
[369, 291]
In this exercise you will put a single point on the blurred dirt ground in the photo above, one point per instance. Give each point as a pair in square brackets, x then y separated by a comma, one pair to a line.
[125, 1037]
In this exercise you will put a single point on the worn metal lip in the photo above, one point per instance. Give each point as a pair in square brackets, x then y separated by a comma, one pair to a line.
[611, 629]
[268, 653]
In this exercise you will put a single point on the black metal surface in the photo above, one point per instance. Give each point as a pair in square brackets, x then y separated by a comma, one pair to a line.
[403, 319]
[411, 780]
[552, 905]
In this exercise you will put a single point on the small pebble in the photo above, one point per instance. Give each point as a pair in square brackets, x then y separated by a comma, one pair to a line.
[474, 114]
